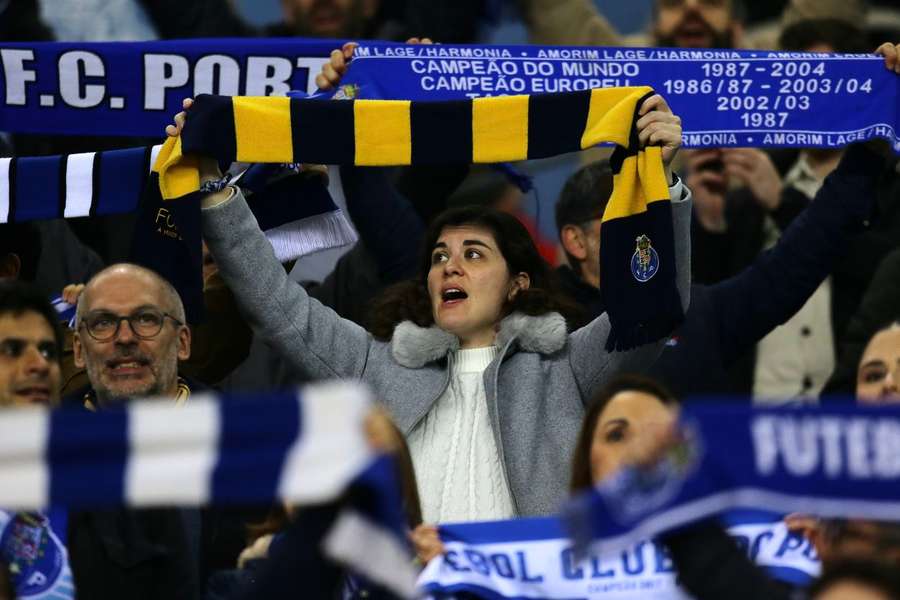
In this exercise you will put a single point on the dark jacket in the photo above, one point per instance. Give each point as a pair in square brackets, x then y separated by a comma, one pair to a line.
[147, 554]
[880, 306]
[711, 566]
[720, 256]
[726, 319]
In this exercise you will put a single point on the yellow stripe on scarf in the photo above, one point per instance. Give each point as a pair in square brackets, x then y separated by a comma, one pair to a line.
[381, 133]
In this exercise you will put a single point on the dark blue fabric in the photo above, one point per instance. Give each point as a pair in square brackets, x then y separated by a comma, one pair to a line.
[290, 199]
[119, 170]
[256, 434]
[167, 239]
[86, 457]
[38, 189]
[387, 223]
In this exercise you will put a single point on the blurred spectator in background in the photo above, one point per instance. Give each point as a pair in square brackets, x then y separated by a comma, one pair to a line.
[881, 304]
[30, 345]
[678, 23]
[878, 376]
[450, 21]
[858, 580]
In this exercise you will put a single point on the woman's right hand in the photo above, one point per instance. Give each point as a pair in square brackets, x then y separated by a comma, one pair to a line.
[427, 543]
[208, 167]
[334, 70]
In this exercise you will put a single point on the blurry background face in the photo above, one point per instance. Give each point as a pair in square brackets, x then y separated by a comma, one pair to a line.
[328, 18]
[851, 590]
[29, 369]
[627, 417]
[694, 24]
[878, 376]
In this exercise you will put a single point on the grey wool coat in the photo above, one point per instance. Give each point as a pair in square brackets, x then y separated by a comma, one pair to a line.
[537, 386]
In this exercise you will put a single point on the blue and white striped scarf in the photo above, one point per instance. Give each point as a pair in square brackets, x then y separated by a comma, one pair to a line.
[301, 448]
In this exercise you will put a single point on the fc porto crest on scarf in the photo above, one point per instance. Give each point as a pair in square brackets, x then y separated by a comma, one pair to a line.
[349, 91]
[645, 260]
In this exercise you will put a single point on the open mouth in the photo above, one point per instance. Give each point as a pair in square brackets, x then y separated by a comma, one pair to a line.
[693, 32]
[36, 394]
[127, 366]
[453, 295]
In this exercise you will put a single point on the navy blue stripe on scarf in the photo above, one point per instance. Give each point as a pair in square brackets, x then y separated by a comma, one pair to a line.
[86, 457]
[254, 456]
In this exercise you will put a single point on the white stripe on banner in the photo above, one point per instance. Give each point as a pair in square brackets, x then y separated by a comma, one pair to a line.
[4, 189]
[329, 450]
[79, 184]
[24, 478]
[172, 452]
[154, 152]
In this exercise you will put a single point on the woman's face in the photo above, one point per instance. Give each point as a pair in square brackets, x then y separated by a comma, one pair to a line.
[622, 422]
[469, 283]
[878, 376]
[849, 589]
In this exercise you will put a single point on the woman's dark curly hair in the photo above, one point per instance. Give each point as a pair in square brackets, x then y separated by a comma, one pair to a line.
[409, 300]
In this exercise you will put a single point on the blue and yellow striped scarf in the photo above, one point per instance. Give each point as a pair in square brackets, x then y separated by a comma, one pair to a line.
[637, 247]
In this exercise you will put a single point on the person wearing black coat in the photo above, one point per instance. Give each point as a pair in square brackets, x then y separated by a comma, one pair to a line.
[879, 306]
[726, 319]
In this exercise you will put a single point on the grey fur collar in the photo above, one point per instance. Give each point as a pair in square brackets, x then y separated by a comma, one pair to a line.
[414, 346]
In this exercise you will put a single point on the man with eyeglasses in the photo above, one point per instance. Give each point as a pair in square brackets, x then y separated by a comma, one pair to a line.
[130, 334]
[32, 558]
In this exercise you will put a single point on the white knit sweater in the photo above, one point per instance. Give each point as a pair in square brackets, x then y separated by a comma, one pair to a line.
[453, 450]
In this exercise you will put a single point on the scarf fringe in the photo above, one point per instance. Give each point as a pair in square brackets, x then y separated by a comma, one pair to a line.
[625, 334]
[311, 234]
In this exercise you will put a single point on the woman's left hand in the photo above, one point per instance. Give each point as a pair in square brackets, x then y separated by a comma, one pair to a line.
[658, 126]
[427, 543]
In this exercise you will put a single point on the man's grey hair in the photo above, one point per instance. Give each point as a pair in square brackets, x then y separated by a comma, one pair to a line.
[170, 294]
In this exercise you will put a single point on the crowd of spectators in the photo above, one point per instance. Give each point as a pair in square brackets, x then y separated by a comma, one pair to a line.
[482, 339]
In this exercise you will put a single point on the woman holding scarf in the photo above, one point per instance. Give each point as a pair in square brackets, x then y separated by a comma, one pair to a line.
[484, 380]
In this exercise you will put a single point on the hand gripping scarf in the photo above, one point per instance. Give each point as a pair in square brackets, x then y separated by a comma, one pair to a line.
[637, 251]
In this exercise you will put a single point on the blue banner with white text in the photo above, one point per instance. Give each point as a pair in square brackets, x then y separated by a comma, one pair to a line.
[134, 88]
[840, 461]
[533, 558]
[724, 97]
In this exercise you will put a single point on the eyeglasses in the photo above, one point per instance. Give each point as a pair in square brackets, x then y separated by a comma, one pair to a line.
[145, 323]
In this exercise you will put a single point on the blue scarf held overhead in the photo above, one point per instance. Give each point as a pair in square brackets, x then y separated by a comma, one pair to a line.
[754, 98]
[533, 558]
[839, 461]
